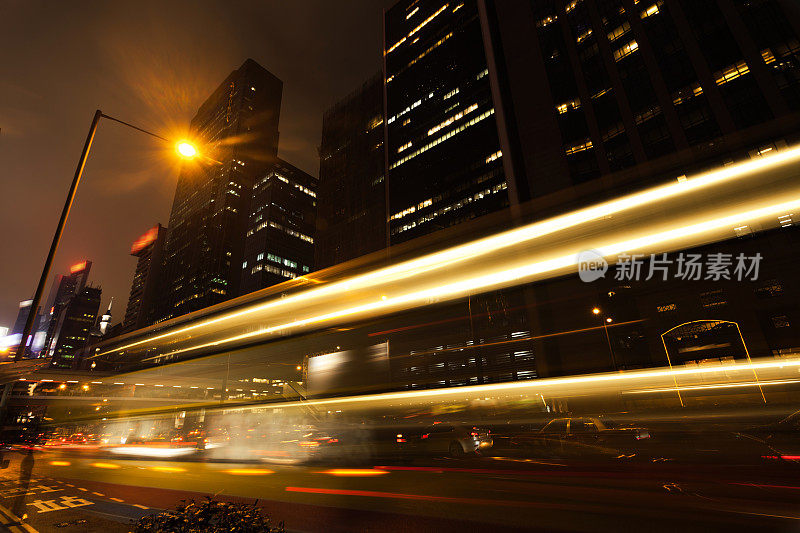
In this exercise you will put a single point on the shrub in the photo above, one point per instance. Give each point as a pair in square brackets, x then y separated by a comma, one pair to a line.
[208, 516]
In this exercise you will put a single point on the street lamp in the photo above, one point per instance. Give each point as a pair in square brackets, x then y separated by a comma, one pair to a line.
[184, 148]
[608, 320]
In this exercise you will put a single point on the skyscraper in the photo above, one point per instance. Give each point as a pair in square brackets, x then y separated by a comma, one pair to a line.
[74, 326]
[442, 146]
[351, 216]
[638, 92]
[279, 242]
[65, 287]
[237, 127]
[147, 279]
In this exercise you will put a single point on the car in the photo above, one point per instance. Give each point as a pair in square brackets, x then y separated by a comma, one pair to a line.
[454, 440]
[781, 437]
[582, 436]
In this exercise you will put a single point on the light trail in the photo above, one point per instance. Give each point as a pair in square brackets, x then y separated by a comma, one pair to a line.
[503, 278]
[682, 228]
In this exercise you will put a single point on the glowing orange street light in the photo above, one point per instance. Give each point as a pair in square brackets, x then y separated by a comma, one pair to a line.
[186, 149]
[596, 310]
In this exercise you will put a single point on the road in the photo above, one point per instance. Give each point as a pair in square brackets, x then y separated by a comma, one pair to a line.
[61, 492]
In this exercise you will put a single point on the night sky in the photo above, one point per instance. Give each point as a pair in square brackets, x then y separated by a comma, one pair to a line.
[151, 63]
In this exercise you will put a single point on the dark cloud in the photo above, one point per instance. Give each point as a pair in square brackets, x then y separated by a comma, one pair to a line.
[151, 63]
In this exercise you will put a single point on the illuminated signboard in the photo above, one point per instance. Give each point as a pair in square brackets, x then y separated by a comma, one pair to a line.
[145, 240]
[78, 267]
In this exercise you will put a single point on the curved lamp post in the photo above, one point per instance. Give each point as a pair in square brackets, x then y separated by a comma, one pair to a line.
[184, 148]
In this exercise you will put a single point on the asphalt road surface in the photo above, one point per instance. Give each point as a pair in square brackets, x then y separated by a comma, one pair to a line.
[46, 491]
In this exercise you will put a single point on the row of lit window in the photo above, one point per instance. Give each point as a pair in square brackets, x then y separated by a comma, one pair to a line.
[269, 268]
[731, 73]
[625, 50]
[647, 114]
[575, 148]
[415, 30]
[275, 225]
[423, 54]
[684, 95]
[495, 156]
[461, 203]
[571, 105]
[652, 10]
[412, 209]
[288, 181]
[443, 138]
[452, 119]
[619, 31]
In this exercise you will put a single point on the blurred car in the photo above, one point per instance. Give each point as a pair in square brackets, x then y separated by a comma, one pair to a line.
[583, 436]
[782, 437]
[454, 440]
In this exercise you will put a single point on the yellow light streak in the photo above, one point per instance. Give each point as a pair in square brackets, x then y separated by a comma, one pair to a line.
[494, 244]
[167, 469]
[546, 385]
[353, 472]
[60, 463]
[249, 471]
[716, 386]
[502, 278]
[110, 466]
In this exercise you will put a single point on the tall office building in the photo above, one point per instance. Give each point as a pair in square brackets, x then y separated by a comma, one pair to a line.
[237, 128]
[65, 287]
[599, 98]
[351, 215]
[279, 242]
[147, 279]
[16, 331]
[444, 162]
[73, 327]
[638, 91]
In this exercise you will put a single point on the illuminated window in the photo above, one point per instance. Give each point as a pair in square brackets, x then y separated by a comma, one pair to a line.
[652, 10]
[574, 149]
[443, 138]
[618, 32]
[767, 55]
[731, 73]
[495, 156]
[626, 50]
[541, 23]
[412, 13]
[568, 106]
[450, 120]
[415, 30]
[600, 93]
[572, 5]
[407, 145]
[451, 93]
[583, 36]
[666, 308]
[647, 114]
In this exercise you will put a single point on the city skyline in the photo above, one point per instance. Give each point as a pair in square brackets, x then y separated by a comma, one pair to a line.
[130, 188]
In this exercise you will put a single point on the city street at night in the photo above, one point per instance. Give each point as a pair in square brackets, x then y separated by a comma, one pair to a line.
[400, 266]
[444, 495]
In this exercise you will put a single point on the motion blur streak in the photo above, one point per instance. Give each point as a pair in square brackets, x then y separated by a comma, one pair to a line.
[167, 469]
[249, 471]
[769, 370]
[525, 273]
[704, 208]
[105, 465]
[425, 497]
[60, 463]
[353, 472]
